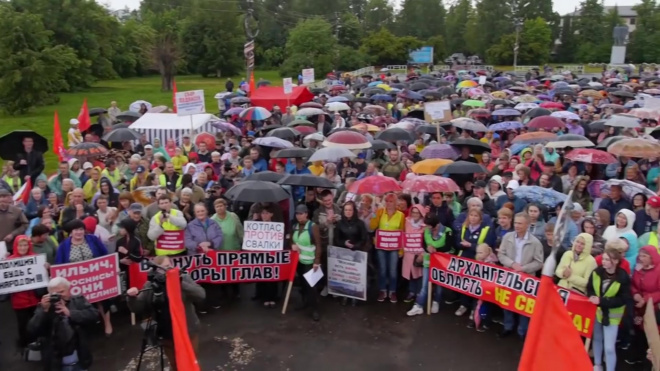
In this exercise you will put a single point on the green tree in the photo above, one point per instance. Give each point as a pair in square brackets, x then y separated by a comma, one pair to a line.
[384, 48]
[166, 54]
[350, 31]
[644, 42]
[378, 14]
[568, 47]
[534, 42]
[494, 20]
[421, 19]
[134, 46]
[458, 18]
[32, 70]
[311, 44]
[439, 48]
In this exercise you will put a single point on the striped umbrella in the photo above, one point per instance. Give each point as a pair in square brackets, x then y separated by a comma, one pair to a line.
[255, 113]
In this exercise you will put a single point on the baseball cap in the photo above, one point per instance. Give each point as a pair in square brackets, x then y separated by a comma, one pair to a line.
[654, 201]
[148, 146]
[135, 207]
[235, 147]
[479, 184]
[87, 165]
[513, 185]
[73, 122]
[302, 209]
[140, 169]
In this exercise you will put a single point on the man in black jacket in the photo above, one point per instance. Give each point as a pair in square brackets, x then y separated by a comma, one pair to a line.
[479, 191]
[29, 162]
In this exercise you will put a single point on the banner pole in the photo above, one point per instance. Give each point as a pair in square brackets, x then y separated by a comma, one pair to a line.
[429, 298]
[192, 127]
[286, 298]
[587, 345]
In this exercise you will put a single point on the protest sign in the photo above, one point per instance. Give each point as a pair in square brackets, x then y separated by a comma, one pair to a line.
[437, 111]
[412, 243]
[3, 250]
[509, 289]
[308, 75]
[263, 236]
[23, 274]
[388, 240]
[190, 102]
[347, 273]
[228, 267]
[287, 83]
[96, 279]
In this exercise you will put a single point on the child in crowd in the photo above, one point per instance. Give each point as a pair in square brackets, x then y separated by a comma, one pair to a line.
[481, 309]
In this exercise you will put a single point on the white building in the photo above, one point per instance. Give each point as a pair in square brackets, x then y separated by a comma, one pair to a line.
[626, 13]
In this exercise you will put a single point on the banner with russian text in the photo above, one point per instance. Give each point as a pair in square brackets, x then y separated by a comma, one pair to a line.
[23, 274]
[413, 243]
[96, 279]
[228, 267]
[347, 273]
[509, 289]
[263, 236]
[388, 240]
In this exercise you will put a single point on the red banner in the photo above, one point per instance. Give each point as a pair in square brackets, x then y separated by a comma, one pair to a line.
[96, 279]
[228, 267]
[388, 240]
[413, 243]
[171, 240]
[513, 291]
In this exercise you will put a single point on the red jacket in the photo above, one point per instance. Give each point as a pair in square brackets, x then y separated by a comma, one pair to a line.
[623, 263]
[646, 282]
[23, 299]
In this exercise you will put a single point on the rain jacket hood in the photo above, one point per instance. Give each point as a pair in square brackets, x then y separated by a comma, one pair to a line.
[633, 248]
[588, 244]
[18, 239]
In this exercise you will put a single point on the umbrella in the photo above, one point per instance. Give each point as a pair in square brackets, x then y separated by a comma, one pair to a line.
[294, 153]
[307, 180]
[429, 129]
[305, 130]
[598, 188]
[128, 116]
[609, 141]
[565, 115]
[429, 166]
[545, 196]
[224, 126]
[430, 184]
[368, 127]
[284, 133]
[535, 112]
[623, 121]
[535, 137]
[527, 98]
[272, 142]
[267, 128]
[591, 156]
[86, 149]
[255, 113]
[309, 111]
[570, 140]
[375, 185]
[466, 84]
[256, 191]
[97, 111]
[598, 125]
[300, 122]
[505, 126]
[347, 139]
[474, 103]
[135, 106]
[468, 124]
[476, 146]
[551, 105]
[394, 135]
[374, 110]
[460, 167]
[337, 106]
[381, 144]
[506, 112]
[635, 147]
[338, 98]
[311, 105]
[545, 122]
[11, 144]
[381, 97]
[159, 109]
[240, 100]
[525, 106]
[234, 111]
[622, 94]
[121, 135]
[331, 154]
[265, 176]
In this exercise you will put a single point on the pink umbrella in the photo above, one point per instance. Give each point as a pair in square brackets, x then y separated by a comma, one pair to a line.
[375, 184]
[591, 156]
[430, 184]
[550, 105]
[347, 139]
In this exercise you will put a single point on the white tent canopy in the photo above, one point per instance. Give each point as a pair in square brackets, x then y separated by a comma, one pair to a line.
[169, 125]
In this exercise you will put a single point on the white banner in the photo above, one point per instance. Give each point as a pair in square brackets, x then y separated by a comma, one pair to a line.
[263, 236]
[308, 75]
[287, 83]
[23, 274]
[347, 273]
[190, 102]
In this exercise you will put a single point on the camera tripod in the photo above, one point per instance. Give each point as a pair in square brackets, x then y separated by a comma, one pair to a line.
[150, 341]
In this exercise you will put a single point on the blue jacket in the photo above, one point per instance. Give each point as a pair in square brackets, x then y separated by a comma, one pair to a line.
[95, 244]
[615, 207]
[298, 191]
[572, 232]
[610, 170]
[261, 165]
[32, 207]
[472, 238]
[518, 203]
[198, 232]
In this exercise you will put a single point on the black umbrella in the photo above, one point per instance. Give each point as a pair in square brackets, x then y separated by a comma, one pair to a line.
[363, 100]
[381, 144]
[121, 135]
[502, 102]
[256, 191]
[535, 112]
[417, 114]
[398, 86]
[598, 125]
[433, 95]
[394, 135]
[476, 146]
[267, 128]
[418, 86]
[430, 129]
[609, 141]
[457, 101]
[294, 153]
[11, 144]
[460, 167]
[129, 116]
[97, 111]
[656, 133]
[120, 126]
[265, 176]
[623, 94]
[284, 133]
[307, 180]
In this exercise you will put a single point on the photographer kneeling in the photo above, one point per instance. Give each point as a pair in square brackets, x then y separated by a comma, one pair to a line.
[152, 300]
[59, 322]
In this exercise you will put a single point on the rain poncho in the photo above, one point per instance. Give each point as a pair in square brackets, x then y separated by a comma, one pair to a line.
[613, 232]
[581, 265]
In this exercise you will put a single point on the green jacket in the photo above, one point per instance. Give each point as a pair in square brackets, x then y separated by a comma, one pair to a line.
[438, 242]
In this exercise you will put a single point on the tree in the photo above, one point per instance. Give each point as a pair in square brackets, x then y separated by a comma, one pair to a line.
[494, 20]
[534, 42]
[439, 48]
[33, 70]
[457, 23]
[645, 40]
[568, 47]
[311, 44]
[378, 14]
[384, 48]
[350, 31]
[421, 19]
[166, 51]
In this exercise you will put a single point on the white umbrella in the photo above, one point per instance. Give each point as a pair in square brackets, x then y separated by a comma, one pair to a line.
[309, 112]
[525, 106]
[135, 106]
[273, 142]
[623, 121]
[331, 154]
[315, 136]
[337, 106]
[566, 115]
[469, 124]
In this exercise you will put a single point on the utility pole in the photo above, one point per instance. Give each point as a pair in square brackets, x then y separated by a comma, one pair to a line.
[337, 29]
[250, 35]
[518, 24]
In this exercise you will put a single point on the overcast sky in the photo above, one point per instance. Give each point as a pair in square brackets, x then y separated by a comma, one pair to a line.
[561, 6]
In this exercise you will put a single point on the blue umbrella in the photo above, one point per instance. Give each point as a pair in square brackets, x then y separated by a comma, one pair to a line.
[382, 97]
[412, 95]
[374, 83]
[338, 99]
[506, 112]
[517, 148]
[545, 196]
[506, 125]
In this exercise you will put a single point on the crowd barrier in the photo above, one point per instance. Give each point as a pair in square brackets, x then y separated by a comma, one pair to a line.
[524, 68]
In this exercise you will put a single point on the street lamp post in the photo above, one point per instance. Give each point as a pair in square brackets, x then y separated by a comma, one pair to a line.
[250, 35]
[518, 24]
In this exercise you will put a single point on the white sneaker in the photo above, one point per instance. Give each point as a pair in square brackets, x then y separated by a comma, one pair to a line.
[324, 292]
[471, 315]
[415, 311]
[435, 307]
[460, 311]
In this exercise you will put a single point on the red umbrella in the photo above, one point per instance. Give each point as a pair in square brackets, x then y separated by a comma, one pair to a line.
[207, 138]
[347, 139]
[305, 130]
[545, 122]
[375, 185]
[337, 88]
[430, 184]
[550, 105]
[591, 156]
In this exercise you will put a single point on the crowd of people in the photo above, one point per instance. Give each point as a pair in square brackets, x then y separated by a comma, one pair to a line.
[504, 212]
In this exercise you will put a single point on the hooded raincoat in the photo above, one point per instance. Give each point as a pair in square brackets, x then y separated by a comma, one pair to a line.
[613, 232]
[408, 269]
[581, 266]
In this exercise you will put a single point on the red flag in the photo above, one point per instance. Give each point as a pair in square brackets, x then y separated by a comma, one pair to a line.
[295, 256]
[23, 194]
[174, 95]
[58, 143]
[252, 87]
[84, 122]
[183, 349]
[552, 342]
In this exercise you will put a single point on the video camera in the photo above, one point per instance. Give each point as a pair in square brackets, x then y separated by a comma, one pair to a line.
[54, 298]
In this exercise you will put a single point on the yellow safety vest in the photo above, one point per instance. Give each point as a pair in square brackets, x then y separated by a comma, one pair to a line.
[482, 236]
[653, 240]
[114, 178]
[171, 241]
[615, 314]
[14, 183]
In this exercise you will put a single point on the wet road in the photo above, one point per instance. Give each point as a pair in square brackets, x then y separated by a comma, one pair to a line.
[245, 336]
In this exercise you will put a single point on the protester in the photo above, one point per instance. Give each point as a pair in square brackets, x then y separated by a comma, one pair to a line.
[645, 286]
[387, 218]
[575, 266]
[13, 222]
[306, 239]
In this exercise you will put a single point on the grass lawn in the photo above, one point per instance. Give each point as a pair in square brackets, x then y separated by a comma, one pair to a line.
[123, 91]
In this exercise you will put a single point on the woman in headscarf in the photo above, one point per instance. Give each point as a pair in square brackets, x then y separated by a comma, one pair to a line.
[623, 222]
[588, 225]
[575, 266]
[409, 270]
[351, 232]
[158, 148]
[495, 187]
